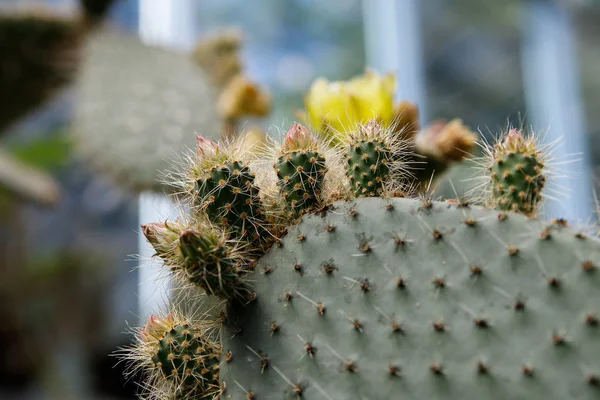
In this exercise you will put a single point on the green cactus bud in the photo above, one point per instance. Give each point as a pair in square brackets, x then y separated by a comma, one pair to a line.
[209, 263]
[179, 359]
[185, 357]
[374, 155]
[301, 170]
[517, 176]
[226, 192]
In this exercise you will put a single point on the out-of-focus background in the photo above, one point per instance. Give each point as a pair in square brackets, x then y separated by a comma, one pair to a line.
[74, 170]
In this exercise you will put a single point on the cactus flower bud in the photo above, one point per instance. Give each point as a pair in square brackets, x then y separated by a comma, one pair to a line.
[204, 145]
[298, 137]
[155, 328]
[446, 141]
[162, 237]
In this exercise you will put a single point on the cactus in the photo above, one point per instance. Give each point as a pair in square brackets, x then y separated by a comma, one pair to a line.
[373, 154]
[138, 110]
[225, 190]
[382, 295]
[199, 255]
[138, 98]
[415, 299]
[517, 177]
[180, 358]
[300, 168]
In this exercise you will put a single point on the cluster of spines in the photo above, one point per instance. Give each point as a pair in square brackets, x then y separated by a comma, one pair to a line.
[179, 358]
[300, 168]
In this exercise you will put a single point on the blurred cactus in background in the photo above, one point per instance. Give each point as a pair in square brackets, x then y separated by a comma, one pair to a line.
[155, 99]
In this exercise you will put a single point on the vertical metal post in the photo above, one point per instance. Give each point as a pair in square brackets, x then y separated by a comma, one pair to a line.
[551, 79]
[393, 44]
[167, 23]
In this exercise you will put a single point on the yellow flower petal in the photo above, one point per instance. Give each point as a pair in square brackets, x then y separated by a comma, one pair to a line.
[330, 103]
[374, 96]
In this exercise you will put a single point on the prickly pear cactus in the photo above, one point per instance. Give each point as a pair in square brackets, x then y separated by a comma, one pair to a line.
[368, 292]
[408, 299]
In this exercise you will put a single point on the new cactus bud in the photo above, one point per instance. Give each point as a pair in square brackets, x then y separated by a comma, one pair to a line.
[225, 190]
[178, 358]
[373, 154]
[164, 238]
[300, 170]
[209, 262]
[517, 173]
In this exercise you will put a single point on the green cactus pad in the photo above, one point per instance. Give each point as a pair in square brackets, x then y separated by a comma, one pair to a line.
[138, 108]
[517, 181]
[409, 299]
[301, 175]
[367, 167]
[184, 357]
[208, 263]
[230, 198]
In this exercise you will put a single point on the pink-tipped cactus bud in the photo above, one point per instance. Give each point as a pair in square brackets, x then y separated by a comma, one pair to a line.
[298, 137]
[155, 327]
[514, 140]
[153, 231]
[204, 144]
[162, 237]
[372, 128]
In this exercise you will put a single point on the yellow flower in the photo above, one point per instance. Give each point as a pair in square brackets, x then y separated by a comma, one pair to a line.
[374, 96]
[330, 105]
[337, 107]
